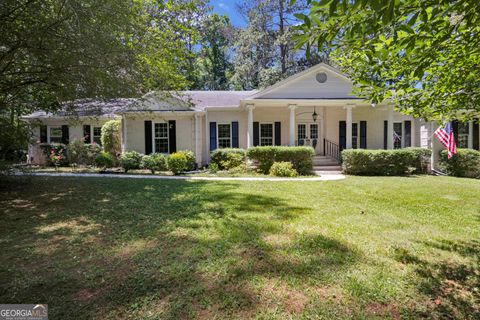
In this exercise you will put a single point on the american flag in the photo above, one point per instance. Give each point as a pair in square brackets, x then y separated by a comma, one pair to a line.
[445, 136]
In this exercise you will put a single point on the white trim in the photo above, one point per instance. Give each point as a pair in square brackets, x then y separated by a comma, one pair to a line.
[402, 142]
[260, 133]
[154, 149]
[48, 133]
[218, 134]
[91, 132]
[304, 73]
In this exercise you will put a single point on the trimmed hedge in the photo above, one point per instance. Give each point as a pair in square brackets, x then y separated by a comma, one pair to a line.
[228, 158]
[385, 162]
[465, 163]
[300, 157]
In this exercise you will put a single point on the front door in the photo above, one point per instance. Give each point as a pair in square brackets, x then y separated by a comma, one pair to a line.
[307, 135]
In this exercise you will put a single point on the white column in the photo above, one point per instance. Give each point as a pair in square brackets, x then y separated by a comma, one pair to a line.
[207, 137]
[250, 108]
[390, 128]
[124, 136]
[292, 108]
[349, 126]
[198, 145]
[470, 134]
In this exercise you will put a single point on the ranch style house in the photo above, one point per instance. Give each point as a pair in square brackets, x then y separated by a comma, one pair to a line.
[315, 108]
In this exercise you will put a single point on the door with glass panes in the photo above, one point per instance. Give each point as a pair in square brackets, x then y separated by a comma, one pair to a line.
[308, 135]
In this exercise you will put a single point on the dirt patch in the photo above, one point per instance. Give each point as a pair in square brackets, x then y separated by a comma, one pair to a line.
[277, 293]
[382, 310]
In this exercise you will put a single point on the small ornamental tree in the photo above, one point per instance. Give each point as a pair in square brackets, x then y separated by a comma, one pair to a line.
[111, 137]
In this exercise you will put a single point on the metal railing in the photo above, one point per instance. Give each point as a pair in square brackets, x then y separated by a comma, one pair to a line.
[332, 150]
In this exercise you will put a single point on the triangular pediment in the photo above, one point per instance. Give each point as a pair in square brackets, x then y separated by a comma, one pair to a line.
[318, 82]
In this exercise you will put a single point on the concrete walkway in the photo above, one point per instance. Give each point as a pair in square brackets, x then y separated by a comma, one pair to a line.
[326, 177]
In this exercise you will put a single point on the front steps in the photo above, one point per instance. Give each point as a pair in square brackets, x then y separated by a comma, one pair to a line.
[326, 165]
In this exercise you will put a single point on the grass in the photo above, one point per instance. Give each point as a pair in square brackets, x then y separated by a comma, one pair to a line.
[364, 247]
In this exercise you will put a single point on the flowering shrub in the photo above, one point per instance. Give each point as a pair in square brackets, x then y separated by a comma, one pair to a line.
[56, 154]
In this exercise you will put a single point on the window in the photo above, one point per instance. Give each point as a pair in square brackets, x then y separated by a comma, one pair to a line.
[224, 135]
[160, 137]
[314, 131]
[355, 135]
[266, 134]
[55, 135]
[462, 137]
[97, 133]
[397, 135]
[301, 134]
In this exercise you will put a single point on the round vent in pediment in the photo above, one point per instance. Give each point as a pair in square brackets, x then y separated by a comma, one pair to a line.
[321, 77]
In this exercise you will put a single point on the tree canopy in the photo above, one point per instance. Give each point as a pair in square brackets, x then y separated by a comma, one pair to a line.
[423, 55]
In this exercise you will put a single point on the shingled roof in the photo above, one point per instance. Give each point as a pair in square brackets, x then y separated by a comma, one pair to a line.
[193, 101]
[86, 108]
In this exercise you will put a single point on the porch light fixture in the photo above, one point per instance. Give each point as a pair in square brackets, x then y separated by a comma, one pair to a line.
[314, 115]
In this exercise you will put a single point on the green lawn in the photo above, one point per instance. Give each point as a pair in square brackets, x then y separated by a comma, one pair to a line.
[364, 247]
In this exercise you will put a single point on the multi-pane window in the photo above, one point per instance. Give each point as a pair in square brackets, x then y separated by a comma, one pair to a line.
[462, 137]
[354, 135]
[302, 134]
[397, 135]
[224, 135]
[266, 134]
[97, 133]
[314, 131]
[55, 135]
[161, 137]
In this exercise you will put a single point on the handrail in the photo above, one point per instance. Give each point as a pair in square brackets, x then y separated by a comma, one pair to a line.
[332, 150]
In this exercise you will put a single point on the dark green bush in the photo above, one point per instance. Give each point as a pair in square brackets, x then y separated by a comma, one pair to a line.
[465, 163]
[154, 162]
[130, 160]
[300, 157]
[385, 162]
[228, 158]
[104, 160]
[283, 169]
[80, 153]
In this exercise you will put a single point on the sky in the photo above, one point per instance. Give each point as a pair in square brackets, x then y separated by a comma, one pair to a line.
[228, 8]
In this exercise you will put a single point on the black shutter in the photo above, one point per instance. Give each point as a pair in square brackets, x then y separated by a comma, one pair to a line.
[385, 134]
[172, 136]
[65, 134]
[256, 138]
[43, 134]
[363, 134]
[455, 129]
[278, 133]
[342, 126]
[148, 136]
[86, 134]
[408, 134]
[476, 136]
[213, 136]
[234, 134]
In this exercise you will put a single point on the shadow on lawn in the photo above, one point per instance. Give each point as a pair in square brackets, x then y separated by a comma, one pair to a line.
[175, 249]
[453, 286]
